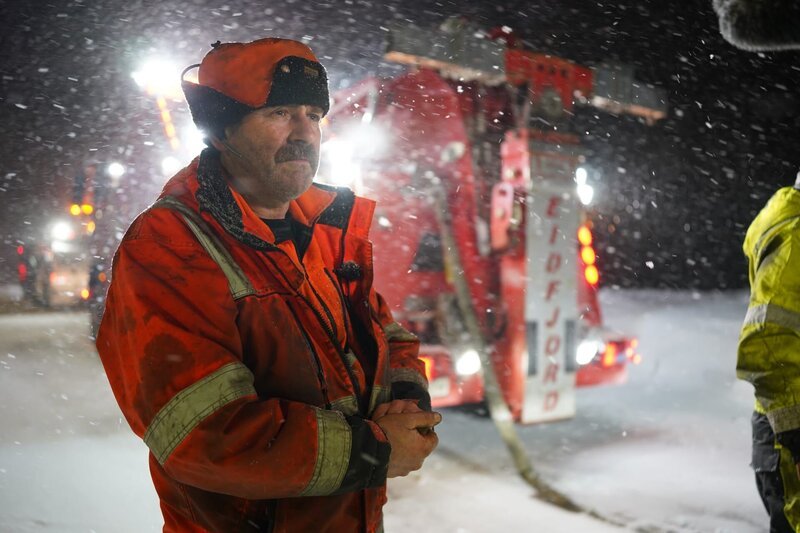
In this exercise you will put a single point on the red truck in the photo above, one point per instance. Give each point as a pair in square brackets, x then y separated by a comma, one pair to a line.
[478, 180]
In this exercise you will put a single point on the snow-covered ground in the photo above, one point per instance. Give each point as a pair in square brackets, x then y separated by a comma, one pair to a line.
[668, 451]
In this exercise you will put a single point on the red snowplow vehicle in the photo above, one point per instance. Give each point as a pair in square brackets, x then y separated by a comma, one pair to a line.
[470, 157]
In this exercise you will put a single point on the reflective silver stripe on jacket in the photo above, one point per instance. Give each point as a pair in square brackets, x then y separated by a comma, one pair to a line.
[238, 283]
[347, 405]
[193, 404]
[334, 443]
[759, 315]
[784, 419]
[396, 333]
[407, 374]
[380, 394]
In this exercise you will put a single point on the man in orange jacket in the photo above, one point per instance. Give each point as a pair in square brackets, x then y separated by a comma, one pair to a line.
[242, 336]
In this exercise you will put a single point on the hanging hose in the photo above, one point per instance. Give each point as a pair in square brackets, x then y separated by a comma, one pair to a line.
[498, 410]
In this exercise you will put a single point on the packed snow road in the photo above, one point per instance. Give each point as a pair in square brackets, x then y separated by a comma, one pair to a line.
[668, 451]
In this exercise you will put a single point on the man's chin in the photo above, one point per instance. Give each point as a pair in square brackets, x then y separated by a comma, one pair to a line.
[294, 182]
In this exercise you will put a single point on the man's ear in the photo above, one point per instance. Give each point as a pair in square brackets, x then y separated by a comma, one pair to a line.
[220, 141]
[217, 143]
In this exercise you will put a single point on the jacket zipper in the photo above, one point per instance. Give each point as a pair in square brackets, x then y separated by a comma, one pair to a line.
[328, 313]
[328, 331]
[345, 307]
[346, 314]
[315, 357]
[335, 341]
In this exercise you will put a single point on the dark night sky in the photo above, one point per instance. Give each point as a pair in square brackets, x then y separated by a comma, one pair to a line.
[679, 194]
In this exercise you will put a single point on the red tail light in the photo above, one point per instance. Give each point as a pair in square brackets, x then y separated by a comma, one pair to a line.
[20, 250]
[22, 271]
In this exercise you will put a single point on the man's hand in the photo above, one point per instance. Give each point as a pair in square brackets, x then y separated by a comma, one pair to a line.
[411, 436]
[395, 407]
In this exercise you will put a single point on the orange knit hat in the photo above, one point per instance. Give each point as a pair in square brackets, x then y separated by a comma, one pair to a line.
[237, 78]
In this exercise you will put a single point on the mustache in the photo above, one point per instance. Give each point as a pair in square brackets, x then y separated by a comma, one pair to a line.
[297, 150]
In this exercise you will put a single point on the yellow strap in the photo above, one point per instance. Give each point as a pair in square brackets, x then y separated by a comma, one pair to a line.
[193, 404]
[238, 283]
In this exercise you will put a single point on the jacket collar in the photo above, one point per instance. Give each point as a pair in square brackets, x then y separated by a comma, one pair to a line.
[784, 205]
[215, 196]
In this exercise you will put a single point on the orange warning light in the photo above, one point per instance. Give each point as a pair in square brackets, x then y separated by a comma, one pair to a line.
[588, 255]
[428, 367]
[592, 275]
[610, 354]
[585, 236]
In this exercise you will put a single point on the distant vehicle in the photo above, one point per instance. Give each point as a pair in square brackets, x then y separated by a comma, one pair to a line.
[61, 267]
[53, 272]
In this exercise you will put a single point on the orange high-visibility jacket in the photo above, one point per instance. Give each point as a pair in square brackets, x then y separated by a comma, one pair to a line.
[249, 373]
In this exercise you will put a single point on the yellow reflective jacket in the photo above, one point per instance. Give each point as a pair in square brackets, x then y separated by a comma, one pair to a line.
[769, 344]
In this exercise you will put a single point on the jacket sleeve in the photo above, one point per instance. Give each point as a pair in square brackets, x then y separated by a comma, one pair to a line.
[769, 344]
[173, 356]
[406, 370]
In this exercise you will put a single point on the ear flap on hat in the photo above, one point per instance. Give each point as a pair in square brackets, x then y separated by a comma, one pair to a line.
[760, 25]
[211, 110]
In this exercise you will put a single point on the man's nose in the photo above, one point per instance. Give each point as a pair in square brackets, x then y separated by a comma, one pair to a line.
[304, 128]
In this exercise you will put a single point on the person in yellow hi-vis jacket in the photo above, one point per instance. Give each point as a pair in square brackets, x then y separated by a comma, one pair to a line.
[769, 345]
[769, 354]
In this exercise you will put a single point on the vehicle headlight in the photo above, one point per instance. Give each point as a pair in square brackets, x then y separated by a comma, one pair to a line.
[587, 350]
[62, 231]
[468, 363]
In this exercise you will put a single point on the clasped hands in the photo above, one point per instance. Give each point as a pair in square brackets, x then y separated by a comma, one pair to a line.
[410, 432]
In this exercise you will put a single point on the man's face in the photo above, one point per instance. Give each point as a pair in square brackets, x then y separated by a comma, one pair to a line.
[279, 149]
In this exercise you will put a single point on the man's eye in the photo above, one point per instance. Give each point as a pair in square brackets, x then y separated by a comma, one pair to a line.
[280, 112]
[316, 117]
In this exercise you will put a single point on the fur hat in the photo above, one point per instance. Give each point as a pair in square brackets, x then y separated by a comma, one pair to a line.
[235, 79]
[760, 25]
